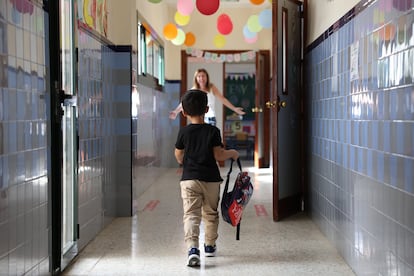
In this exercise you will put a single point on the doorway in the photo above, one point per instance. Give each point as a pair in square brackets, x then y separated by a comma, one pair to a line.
[255, 143]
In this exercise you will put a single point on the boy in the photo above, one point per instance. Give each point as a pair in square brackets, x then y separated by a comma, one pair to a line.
[198, 148]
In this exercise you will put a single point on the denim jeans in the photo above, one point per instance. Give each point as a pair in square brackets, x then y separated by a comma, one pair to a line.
[210, 120]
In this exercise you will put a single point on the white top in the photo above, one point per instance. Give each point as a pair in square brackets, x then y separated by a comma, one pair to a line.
[211, 103]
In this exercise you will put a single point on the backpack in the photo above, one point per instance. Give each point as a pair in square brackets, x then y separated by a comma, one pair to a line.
[234, 202]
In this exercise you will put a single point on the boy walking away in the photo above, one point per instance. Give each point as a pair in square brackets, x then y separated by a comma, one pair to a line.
[197, 149]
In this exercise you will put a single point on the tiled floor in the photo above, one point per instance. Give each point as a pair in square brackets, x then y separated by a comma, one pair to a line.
[151, 242]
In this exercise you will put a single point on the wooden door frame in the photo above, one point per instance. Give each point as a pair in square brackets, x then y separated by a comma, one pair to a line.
[264, 161]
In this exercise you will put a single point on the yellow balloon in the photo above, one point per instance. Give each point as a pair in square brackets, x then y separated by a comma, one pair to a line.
[180, 19]
[219, 41]
[253, 24]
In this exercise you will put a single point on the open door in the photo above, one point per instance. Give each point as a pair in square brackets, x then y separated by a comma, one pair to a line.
[262, 118]
[63, 193]
[287, 108]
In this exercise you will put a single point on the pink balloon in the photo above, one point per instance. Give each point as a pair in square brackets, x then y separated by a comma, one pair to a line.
[224, 24]
[207, 7]
[185, 7]
[251, 40]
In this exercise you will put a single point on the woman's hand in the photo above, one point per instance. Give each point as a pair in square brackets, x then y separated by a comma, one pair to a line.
[173, 115]
[239, 110]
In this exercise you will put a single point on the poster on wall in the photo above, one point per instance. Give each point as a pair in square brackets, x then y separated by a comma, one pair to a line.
[354, 75]
[240, 90]
[94, 14]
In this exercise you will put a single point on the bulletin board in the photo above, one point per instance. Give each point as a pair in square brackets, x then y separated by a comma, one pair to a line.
[240, 91]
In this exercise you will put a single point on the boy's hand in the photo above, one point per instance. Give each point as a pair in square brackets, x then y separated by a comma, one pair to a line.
[235, 155]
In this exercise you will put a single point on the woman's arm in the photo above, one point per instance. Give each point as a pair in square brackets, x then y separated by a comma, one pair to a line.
[174, 113]
[226, 102]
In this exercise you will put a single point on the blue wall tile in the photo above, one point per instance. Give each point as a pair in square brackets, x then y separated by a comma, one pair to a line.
[372, 146]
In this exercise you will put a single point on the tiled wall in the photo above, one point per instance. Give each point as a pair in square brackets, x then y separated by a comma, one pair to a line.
[24, 146]
[360, 111]
[153, 135]
[104, 179]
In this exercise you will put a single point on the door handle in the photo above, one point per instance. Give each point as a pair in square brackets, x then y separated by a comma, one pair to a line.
[279, 104]
[257, 109]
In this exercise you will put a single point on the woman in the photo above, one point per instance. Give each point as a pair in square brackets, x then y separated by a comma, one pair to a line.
[202, 82]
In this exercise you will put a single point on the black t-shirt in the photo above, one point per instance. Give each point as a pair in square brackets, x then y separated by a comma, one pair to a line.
[197, 141]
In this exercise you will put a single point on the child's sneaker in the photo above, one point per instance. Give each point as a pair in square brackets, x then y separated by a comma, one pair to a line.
[210, 250]
[193, 257]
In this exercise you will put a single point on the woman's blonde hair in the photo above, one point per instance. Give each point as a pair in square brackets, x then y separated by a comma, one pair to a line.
[195, 83]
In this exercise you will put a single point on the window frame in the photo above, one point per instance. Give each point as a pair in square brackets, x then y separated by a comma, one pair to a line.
[152, 79]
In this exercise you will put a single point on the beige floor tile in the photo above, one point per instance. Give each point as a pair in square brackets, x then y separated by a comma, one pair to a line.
[151, 242]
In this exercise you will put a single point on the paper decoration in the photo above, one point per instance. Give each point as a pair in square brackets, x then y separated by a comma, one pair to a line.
[211, 56]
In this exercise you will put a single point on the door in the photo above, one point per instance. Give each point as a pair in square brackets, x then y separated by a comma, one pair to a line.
[286, 108]
[63, 135]
[262, 117]
[69, 134]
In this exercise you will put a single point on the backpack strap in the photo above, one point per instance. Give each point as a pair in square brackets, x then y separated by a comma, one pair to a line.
[238, 163]
[226, 187]
[238, 225]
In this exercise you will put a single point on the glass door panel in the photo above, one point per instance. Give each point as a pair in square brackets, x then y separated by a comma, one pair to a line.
[69, 147]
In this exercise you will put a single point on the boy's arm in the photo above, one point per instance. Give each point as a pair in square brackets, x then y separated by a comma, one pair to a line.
[179, 155]
[221, 154]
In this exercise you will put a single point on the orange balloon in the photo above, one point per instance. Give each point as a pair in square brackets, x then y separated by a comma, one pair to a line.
[388, 33]
[256, 2]
[189, 39]
[170, 31]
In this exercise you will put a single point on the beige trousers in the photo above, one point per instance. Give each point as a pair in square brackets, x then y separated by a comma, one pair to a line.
[200, 201]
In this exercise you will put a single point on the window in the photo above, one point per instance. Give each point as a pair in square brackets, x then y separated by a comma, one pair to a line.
[151, 55]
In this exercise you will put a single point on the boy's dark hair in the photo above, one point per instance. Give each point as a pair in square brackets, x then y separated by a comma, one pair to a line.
[194, 102]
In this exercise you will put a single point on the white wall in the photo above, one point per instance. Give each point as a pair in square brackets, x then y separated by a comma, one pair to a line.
[323, 13]
[121, 22]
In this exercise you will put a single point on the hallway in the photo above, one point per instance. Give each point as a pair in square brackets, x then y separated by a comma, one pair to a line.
[151, 242]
